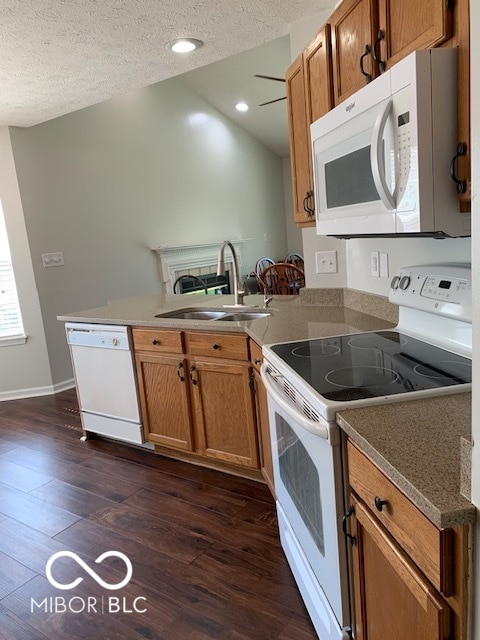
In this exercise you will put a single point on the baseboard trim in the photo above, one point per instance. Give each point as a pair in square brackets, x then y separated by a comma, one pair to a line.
[35, 392]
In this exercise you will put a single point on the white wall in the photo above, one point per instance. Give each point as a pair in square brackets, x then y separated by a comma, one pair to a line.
[24, 369]
[475, 147]
[107, 183]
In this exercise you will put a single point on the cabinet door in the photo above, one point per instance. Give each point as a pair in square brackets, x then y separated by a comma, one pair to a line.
[392, 597]
[461, 39]
[317, 70]
[354, 26]
[409, 25]
[224, 412]
[300, 163]
[263, 430]
[164, 400]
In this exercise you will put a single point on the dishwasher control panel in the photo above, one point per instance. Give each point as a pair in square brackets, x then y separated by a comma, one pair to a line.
[98, 335]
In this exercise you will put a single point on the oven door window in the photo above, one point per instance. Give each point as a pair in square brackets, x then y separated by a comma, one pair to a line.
[300, 478]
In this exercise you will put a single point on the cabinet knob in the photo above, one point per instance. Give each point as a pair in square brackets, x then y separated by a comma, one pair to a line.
[379, 503]
[258, 362]
[155, 341]
[216, 345]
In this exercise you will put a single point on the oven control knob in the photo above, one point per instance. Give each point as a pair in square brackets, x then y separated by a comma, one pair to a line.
[404, 282]
[394, 282]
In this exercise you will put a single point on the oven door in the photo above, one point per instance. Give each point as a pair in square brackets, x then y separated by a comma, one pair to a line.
[308, 481]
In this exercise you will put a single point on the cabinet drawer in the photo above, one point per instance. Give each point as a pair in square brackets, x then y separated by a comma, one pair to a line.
[157, 340]
[217, 345]
[430, 548]
[256, 357]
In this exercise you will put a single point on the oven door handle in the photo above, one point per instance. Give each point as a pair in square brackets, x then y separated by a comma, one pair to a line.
[318, 429]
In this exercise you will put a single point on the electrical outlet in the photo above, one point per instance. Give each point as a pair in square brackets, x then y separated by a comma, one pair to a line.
[326, 261]
[375, 264]
[53, 259]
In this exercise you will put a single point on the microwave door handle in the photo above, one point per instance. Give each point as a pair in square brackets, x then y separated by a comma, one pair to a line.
[316, 428]
[377, 160]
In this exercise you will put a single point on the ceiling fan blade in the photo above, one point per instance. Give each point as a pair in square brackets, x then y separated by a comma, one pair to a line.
[272, 101]
[258, 75]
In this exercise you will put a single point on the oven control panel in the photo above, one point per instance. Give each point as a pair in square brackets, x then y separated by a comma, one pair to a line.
[443, 289]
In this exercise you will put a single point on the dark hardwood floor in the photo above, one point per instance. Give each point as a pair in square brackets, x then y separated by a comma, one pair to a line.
[203, 545]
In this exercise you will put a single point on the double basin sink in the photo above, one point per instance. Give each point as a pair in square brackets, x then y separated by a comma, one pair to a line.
[210, 314]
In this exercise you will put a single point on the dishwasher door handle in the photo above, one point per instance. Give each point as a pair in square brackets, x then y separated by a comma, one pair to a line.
[317, 428]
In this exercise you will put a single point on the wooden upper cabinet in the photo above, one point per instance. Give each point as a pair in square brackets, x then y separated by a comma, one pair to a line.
[309, 96]
[300, 162]
[461, 39]
[408, 25]
[354, 26]
[317, 71]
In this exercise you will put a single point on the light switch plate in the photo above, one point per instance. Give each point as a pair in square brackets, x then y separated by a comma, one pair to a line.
[53, 259]
[383, 265]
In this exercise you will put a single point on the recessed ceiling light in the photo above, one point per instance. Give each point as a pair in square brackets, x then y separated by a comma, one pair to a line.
[184, 45]
[241, 106]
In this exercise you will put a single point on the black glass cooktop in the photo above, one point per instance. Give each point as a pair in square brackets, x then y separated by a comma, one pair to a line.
[368, 365]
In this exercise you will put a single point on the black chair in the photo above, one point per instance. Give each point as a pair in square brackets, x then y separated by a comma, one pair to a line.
[196, 279]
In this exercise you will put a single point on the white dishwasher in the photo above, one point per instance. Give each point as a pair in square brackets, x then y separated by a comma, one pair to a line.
[105, 379]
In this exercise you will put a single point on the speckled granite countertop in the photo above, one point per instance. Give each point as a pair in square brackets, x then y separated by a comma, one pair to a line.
[290, 319]
[417, 445]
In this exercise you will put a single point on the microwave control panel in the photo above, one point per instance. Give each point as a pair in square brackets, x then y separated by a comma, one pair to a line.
[444, 289]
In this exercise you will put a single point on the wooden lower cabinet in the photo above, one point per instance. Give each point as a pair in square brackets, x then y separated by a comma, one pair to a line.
[263, 424]
[164, 400]
[223, 412]
[392, 597]
[199, 398]
[409, 577]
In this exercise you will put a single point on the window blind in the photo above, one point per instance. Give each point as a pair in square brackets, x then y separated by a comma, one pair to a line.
[10, 318]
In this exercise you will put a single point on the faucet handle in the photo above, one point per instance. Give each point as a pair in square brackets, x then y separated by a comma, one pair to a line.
[266, 300]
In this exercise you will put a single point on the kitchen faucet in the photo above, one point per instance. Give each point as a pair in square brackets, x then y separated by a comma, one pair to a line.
[238, 290]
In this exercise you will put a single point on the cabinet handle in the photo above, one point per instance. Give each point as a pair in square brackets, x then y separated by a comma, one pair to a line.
[461, 184]
[379, 503]
[180, 372]
[215, 346]
[368, 77]
[348, 515]
[192, 370]
[155, 341]
[257, 362]
[376, 51]
[308, 210]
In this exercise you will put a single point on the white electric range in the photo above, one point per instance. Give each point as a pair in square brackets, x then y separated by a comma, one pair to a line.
[308, 381]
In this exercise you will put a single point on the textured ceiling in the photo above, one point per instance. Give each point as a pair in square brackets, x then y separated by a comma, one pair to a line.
[57, 56]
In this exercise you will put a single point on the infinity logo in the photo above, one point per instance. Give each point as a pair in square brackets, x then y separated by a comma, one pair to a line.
[87, 569]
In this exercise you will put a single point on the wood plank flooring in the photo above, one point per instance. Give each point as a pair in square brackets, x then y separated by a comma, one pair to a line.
[204, 547]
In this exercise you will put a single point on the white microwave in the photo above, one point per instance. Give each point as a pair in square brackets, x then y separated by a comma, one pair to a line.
[382, 158]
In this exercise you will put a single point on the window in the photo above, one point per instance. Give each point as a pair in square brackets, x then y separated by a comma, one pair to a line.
[11, 326]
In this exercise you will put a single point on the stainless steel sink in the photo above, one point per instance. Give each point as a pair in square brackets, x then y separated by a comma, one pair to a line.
[243, 316]
[210, 314]
[192, 314]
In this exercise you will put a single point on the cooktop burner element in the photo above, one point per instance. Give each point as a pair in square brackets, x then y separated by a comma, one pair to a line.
[315, 350]
[374, 340]
[374, 364]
